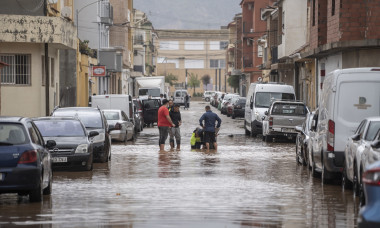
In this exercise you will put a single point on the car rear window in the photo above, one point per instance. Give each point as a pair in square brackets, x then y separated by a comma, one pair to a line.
[12, 134]
[88, 118]
[60, 128]
[289, 109]
[264, 99]
[111, 115]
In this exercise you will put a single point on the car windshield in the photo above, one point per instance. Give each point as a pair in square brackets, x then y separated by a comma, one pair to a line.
[60, 128]
[264, 99]
[241, 101]
[180, 93]
[373, 128]
[289, 109]
[89, 119]
[150, 92]
[111, 115]
[12, 134]
[151, 104]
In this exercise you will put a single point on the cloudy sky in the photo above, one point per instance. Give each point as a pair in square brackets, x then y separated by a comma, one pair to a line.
[189, 14]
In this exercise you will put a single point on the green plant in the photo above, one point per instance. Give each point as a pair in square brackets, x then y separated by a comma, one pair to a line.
[194, 81]
[171, 79]
[233, 81]
[206, 80]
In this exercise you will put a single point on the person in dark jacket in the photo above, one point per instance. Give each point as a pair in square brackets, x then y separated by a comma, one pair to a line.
[175, 132]
[187, 98]
[209, 118]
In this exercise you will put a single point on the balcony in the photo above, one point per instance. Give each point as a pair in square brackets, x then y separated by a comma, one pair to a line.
[38, 29]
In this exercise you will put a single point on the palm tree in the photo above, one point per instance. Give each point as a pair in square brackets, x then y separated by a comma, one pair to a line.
[194, 81]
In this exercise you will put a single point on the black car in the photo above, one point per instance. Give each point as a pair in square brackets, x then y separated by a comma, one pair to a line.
[150, 110]
[139, 117]
[238, 108]
[25, 161]
[94, 120]
[74, 147]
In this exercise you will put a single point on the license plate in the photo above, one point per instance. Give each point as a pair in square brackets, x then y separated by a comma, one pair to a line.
[288, 130]
[59, 159]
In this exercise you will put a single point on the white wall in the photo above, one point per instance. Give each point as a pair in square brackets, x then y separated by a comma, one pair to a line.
[329, 63]
[295, 26]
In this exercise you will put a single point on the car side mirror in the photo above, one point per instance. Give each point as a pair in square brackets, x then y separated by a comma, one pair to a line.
[50, 144]
[376, 144]
[93, 134]
[251, 105]
[266, 113]
[299, 128]
[355, 137]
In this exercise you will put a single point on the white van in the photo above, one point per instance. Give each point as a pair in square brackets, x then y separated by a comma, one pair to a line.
[179, 97]
[348, 96]
[114, 101]
[259, 98]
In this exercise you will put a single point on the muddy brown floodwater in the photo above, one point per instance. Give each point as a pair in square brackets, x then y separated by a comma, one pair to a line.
[246, 183]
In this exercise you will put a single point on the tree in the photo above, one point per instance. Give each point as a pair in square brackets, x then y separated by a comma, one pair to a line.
[206, 80]
[171, 78]
[194, 81]
[233, 81]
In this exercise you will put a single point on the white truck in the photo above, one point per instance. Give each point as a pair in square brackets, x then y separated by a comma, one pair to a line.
[150, 87]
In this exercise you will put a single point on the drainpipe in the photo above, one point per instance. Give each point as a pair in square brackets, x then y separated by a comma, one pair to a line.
[47, 76]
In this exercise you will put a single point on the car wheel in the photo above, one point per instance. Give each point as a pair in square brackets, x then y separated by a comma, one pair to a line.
[233, 116]
[228, 115]
[355, 184]
[36, 194]
[245, 128]
[90, 164]
[207, 99]
[313, 171]
[346, 184]
[305, 157]
[253, 134]
[268, 138]
[48, 189]
[297, 152]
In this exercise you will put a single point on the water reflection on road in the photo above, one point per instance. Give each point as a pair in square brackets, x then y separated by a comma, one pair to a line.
[246, 183]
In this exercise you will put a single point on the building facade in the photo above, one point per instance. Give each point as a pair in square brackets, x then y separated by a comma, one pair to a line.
[193, 54]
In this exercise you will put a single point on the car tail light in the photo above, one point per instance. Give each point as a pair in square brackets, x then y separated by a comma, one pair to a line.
[372, 177]
[270, 121]
[331, 136]
[28, 157]
[117, 126]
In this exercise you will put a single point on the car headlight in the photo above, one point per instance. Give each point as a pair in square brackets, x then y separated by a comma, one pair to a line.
[99, 138]
[257, 115]
[82, 149]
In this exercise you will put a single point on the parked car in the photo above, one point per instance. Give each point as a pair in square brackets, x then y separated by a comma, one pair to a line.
[215, 99]
[259, 98]
[25, 160]
[238, 107]
[94, 120]
[179, 97]
[226, 100]
[353, 166]
[348, 96]
[139, 117]
[207, 95]
[369, 214]
[120, 127]
[282, 118]
[150, 111]
[74, 147]
[303, 139]
[229, 106]
[371, 153]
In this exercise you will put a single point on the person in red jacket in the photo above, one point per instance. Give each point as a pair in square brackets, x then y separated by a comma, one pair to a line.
[164, 123]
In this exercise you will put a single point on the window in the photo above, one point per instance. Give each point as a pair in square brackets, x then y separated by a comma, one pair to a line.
[194, 64]
[169, 45]
[218, 45]
[217, 63]
[259, 51]
[33, 134]
[18, 71]
[332, 7]
[194, 45]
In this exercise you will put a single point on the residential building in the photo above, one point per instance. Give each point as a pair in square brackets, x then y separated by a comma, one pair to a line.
[193, 53]
[2, 64]
[33, 55]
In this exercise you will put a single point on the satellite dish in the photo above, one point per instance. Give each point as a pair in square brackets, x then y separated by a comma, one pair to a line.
[53, 1]
[66, 11]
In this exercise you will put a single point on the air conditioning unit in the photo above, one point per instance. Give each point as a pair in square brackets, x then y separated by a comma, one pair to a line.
[251, 30]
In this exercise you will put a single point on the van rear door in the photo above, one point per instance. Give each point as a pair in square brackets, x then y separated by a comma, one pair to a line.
[357, 97]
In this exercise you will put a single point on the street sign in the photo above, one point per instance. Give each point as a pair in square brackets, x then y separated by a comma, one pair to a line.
[99, 71]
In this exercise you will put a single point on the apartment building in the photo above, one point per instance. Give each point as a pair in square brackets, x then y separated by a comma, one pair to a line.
[31, 37]
[193, 53]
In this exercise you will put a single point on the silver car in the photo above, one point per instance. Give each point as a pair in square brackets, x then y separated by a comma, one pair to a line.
[121, 128]
[352, 170]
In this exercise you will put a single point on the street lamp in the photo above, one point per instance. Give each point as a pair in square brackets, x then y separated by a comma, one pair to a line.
[78, 11]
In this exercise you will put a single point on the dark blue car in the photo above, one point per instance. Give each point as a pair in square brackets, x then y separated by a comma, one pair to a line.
[370, 214]
[25, 161]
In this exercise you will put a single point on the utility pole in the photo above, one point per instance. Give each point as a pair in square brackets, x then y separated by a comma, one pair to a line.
[220, 79]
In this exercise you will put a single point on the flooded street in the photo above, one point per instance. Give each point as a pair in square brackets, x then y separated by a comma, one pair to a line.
[246, 183]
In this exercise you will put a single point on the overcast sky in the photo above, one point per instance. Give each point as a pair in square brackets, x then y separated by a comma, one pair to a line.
[189, 14]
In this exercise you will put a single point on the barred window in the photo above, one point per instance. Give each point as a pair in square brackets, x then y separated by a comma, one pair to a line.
[18, 71]
[217, 63]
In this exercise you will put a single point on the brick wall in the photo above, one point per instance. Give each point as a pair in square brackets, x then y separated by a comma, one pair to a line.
[318, 29]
